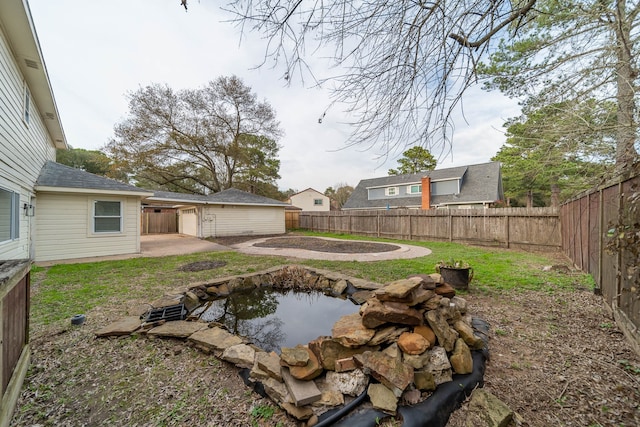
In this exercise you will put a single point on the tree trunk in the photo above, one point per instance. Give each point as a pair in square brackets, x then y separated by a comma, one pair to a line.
[626, 154]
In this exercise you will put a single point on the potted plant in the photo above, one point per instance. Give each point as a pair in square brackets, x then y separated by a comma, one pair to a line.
[457, 273]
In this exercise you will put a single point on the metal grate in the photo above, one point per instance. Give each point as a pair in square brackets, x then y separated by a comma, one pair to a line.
[172, 312]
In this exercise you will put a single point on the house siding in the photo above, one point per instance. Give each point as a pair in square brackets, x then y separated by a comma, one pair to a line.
[235, 220]
[24, 149]
[70, 215]
[305, 201]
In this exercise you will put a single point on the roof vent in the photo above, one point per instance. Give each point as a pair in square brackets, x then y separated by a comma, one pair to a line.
[49, 116]
[32, 64]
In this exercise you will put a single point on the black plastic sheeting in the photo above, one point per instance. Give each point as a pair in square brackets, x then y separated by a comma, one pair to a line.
[432, 412]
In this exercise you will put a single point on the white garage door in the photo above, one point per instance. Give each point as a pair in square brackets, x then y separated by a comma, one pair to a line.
[189, 222]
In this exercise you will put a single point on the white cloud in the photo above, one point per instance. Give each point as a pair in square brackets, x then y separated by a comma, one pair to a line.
[97, 52]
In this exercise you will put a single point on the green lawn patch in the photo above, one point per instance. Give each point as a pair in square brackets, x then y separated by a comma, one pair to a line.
[63, 290]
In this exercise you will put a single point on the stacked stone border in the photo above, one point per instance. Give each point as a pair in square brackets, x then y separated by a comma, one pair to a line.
[405, 345]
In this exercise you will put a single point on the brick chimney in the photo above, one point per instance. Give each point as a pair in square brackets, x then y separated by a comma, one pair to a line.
[426, 192]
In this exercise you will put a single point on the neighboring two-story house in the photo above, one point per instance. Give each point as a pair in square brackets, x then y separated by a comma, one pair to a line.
[462, 187]
[310, 200]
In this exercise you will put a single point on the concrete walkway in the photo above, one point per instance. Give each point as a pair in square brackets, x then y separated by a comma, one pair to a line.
[158, 245]
[154, 245]
[404, 252]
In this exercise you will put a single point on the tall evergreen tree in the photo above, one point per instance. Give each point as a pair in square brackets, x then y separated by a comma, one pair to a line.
[564, 147]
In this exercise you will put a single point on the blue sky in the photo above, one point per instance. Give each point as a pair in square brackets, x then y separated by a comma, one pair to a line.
[98, 51]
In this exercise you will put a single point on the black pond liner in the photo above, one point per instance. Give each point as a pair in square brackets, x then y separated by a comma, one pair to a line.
[432, 412]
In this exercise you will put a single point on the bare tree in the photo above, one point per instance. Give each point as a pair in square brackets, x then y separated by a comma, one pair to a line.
[401, 66]
[339, 193]
[198, 141]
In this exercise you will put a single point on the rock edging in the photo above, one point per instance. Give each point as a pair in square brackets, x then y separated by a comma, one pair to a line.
[409, 337]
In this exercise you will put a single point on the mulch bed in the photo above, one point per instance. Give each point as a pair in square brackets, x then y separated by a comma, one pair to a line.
[202, 265]
[324, 245]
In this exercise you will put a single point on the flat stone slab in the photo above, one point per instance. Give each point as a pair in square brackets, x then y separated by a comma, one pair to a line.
[124, 326]
[350, 332]
[215, 338]
[269, 363]
[167, 301]
[241, 355]
[366, 285]
[302, 392]
[177, 329]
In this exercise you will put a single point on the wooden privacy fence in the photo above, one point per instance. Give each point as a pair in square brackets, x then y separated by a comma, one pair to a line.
[521, 228]
[14, 333]
[156, 222]
[292, 220]
[588, 225]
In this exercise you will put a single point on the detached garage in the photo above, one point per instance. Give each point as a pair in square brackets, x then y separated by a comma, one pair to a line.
[227, 213]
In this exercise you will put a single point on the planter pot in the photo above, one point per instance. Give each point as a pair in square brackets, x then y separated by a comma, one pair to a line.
[459, 278]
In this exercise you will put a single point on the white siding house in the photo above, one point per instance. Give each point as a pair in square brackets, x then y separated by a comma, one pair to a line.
[30, 130]
[82, 215]
[310, 200]
[227, 213]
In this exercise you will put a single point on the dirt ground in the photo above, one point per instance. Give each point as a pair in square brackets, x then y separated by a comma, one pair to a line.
[324, 245]
[558, 359]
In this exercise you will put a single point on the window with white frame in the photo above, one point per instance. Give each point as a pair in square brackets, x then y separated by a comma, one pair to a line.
[317, 202]
[9, 215]
[107, 216]
[391, 191]
[26, 111]
[414, 189]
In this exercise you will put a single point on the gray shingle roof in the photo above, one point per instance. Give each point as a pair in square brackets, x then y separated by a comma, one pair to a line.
[57, 175]
[178, 197]
[233, 196]
[481, 183]
[230, 196]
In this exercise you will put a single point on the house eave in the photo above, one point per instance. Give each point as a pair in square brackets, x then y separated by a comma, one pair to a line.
[470, 202]
[212, 203]
[17, 24]
[69, 190]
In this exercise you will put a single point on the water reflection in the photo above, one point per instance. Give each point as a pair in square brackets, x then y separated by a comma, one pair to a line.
[273, 318]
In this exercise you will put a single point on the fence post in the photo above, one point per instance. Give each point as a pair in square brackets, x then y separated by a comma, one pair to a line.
[450, 225]
[378, 223]
[507, 238]
[619, 252]
[598, 289]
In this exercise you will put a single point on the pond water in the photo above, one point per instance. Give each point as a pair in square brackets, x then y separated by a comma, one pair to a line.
[273, 318]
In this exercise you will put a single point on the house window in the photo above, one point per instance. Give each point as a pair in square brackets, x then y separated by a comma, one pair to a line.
[107, 217]
[26, 116]
[317, 202]
[414, 189]
[9, 215]
[391, 191]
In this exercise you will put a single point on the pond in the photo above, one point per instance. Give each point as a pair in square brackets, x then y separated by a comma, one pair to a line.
[273, 318]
